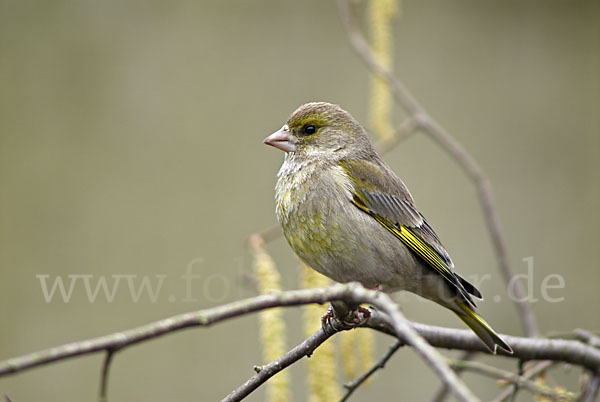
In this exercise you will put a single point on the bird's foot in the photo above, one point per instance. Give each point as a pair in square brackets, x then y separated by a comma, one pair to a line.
[360, 316]
[327, 320]
[348, 320]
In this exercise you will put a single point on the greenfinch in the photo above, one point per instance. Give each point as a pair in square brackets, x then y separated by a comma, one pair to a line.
[347, 215]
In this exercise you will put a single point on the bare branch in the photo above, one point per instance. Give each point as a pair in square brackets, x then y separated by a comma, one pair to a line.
[587, 337]
[120, 340]
[406, 128]
[454, 149]
[529, 374]
[494, 372]
[267, 235]
[446, 338]
[352, 293]
[515, 389]
[386, 318]
[306, 348]
[590, 388]
[104, 379]
[442, 393]
[351, 387]
[562, 350]
[404, 330]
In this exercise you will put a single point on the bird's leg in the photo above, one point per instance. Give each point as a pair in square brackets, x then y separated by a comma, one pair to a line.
[347, 316]
[337, 317]
[361, 315]
[340, 314]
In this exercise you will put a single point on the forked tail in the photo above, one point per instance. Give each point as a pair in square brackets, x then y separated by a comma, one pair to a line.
[482, 329]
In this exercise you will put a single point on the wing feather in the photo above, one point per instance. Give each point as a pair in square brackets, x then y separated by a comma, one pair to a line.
[381, 194]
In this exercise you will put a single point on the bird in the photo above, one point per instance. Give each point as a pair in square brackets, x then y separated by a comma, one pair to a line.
[348, 216]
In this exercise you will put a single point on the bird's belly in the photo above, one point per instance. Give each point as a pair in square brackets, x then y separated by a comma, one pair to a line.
[345, 244]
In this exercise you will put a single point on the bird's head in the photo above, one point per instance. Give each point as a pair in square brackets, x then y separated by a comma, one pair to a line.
[321, 130]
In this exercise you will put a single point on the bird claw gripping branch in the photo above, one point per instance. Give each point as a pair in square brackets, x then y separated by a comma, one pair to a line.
[349, 319]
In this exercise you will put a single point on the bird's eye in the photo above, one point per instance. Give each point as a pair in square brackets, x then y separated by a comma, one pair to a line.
[310, 129]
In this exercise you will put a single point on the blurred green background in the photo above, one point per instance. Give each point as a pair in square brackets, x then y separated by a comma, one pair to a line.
[131, 144]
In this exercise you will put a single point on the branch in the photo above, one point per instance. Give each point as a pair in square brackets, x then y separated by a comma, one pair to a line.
[351, 387]
[104, 378]
[590, 389]
[386, 319]
[516, 379]
[405, 129]
[263, 373]
[256, 240]
[352, 293]
[582, 335]
[561, 350]
[587, 337]
[565, 351]
[442, 392]
[515, 387]
[454, 149]
[538, 369]
[402, 329]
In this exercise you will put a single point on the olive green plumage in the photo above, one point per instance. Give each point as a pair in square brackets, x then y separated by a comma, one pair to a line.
[348, 216]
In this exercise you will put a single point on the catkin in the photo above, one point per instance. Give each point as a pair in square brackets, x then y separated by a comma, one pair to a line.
[272, 326]
[381, 15]
[322, 368]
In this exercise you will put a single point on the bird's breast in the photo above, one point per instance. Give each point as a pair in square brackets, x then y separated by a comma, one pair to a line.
[309, 190]
[312, 207]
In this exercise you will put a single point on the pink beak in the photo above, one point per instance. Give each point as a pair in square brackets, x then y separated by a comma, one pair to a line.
[281, 139]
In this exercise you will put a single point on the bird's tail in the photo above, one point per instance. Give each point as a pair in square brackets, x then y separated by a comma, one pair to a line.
[482, 329]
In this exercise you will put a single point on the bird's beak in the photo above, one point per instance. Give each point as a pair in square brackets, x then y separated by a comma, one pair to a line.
[281, 139]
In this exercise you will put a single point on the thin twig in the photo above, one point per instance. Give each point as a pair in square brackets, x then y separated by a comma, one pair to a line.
[591, 386]
[504, 375]
[587, 337]
[529, 374]
[515, 387]
[264, 236]
[403, 131]
[351, 387]
[104, 378]
[306, 348]
[443, 391]
[455, 150]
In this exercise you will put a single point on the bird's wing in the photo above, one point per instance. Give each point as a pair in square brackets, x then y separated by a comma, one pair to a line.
[377, 191]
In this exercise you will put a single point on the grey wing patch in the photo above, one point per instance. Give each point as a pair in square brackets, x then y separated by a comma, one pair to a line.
[403, 212]
[398, 211]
